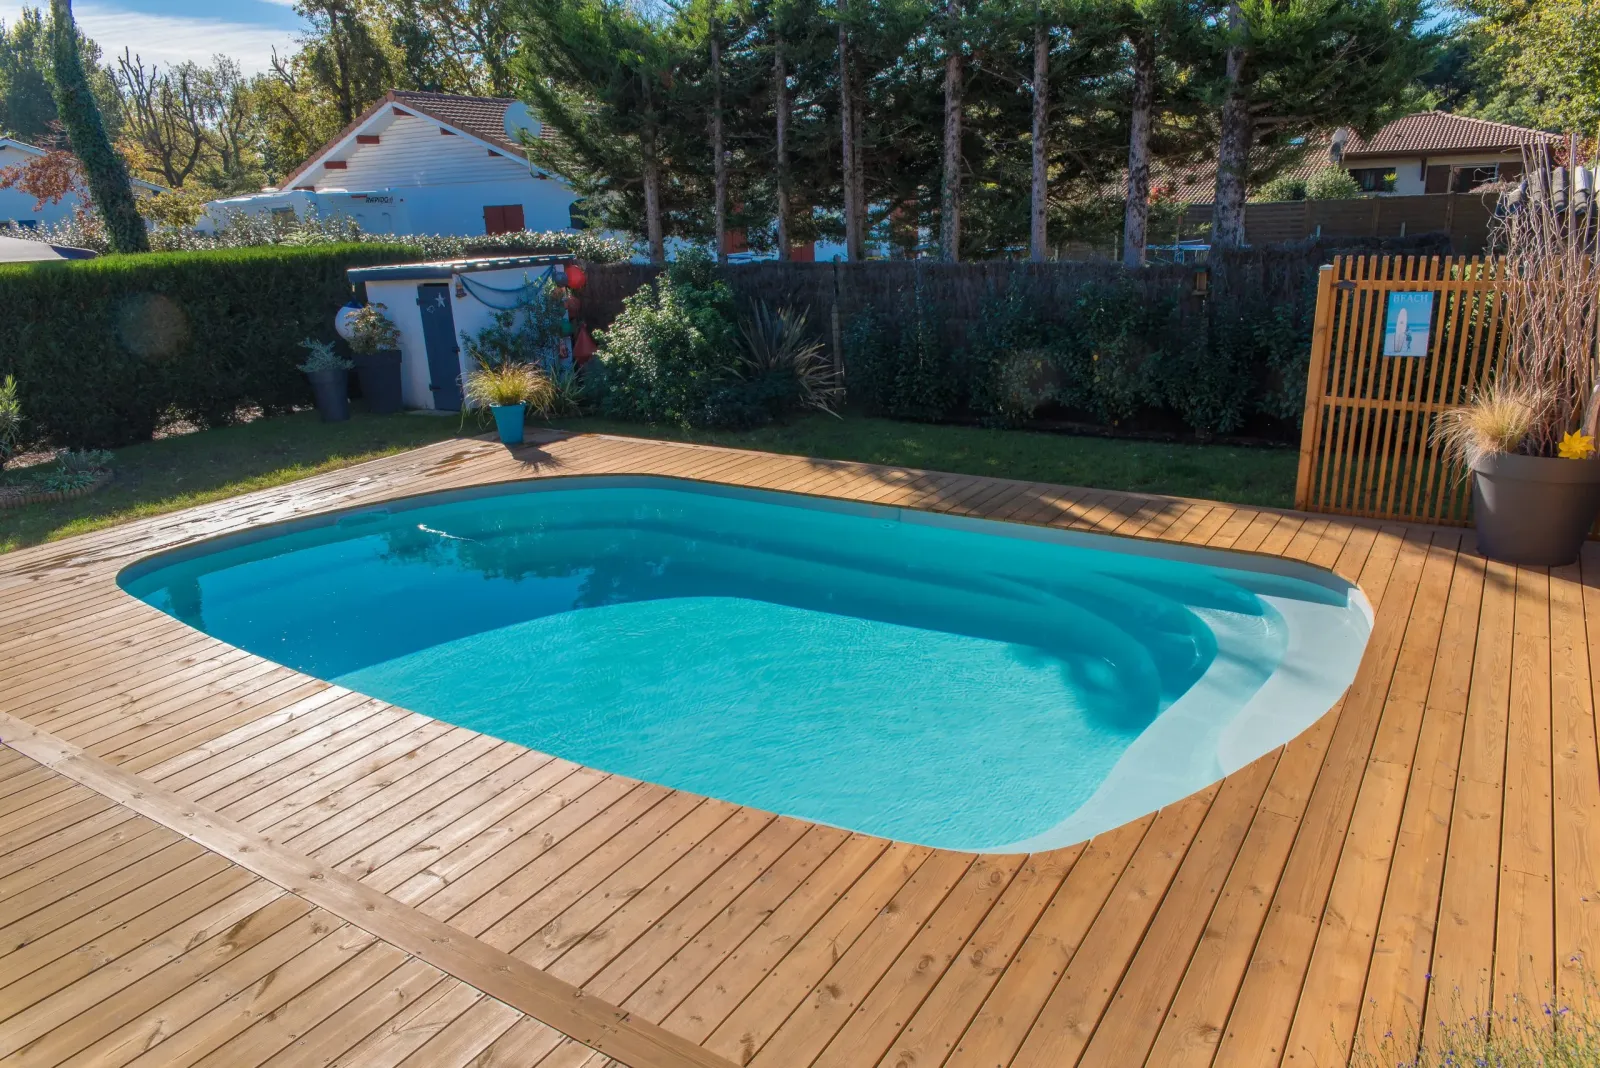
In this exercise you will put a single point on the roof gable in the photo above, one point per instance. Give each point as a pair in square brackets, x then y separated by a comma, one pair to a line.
[479, 118]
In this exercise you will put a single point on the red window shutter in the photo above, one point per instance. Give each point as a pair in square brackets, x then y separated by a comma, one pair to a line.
[513, 218]
[336, 165]
[366, 139]
[493, 219]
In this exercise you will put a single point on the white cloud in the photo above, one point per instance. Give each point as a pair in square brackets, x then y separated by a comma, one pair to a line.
[168, 39]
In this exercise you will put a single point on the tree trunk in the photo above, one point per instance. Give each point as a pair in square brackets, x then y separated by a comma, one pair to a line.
[106, 173]
[652, 198]
[1037, 237]
[780, 85]
[1136, 215]
[950, 190]
[719, 161]
[1233, 152]
[854, 239]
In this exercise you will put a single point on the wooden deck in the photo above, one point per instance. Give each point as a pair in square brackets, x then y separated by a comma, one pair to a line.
[206, 858]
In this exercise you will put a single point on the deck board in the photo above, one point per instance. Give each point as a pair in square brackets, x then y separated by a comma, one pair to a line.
[1431, 842]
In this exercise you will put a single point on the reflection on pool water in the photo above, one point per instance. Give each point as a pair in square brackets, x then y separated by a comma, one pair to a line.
[951, 682]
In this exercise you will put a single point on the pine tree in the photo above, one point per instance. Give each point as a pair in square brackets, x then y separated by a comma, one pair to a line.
[80, 115]
[1292, 67]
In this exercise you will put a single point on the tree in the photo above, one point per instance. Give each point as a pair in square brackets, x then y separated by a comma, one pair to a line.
[950, 171]
[107, 175]
[1165, 39]
[27, 80]
[1292, 67]
[1039, 140]
[1541, 61]
[164, 116]
[601, 75]
[453, 46]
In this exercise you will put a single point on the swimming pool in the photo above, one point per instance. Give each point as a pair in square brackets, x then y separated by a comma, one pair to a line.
[952, 682]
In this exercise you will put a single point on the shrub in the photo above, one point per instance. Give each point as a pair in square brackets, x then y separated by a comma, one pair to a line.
[672, 356]
[526, 333]
[10, 419]
[1332, 183]
[782, 353]
[900, 366]
[1009, 367]
[1283, 187]
[106, 350]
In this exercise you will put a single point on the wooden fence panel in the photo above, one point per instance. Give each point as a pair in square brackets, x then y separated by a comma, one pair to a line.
[1367, 439]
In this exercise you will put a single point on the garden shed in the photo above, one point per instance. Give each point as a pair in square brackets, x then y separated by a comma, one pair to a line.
[434, 305]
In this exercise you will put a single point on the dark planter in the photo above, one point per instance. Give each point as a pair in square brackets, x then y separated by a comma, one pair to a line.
[379, 374]
[509, 420]
[332, 390]
[1534, 510]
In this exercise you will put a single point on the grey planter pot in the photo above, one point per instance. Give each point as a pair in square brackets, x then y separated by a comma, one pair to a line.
[332, 391]
[1534, 510]
[379, 375]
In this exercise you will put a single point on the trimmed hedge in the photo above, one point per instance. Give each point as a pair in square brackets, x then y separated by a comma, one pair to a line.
[106, 350]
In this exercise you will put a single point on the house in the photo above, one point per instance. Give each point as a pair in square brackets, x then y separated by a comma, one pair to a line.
[416, 163]
[17, 208]
[1436, 152]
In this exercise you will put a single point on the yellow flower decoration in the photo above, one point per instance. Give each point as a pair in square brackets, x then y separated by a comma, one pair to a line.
[1576, 446]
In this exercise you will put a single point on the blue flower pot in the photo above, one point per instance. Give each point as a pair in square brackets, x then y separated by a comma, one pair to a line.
[508, 419]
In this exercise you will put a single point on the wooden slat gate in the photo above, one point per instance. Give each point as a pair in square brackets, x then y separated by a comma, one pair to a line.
[1366, 445]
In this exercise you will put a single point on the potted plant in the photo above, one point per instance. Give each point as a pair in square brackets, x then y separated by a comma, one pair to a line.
[1528, 438]
[330, 379]
[376, 342]
[508, 391]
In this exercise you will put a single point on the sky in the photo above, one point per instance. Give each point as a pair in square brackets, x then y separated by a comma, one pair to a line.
[171, 31]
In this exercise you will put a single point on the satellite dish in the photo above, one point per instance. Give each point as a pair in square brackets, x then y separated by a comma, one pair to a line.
[520, 122]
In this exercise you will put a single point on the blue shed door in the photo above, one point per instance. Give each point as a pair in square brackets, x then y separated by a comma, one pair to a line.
[439, 337]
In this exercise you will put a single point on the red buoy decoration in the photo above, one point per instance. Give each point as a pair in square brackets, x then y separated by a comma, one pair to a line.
[583, 347]
[573, 305]
[576, 276]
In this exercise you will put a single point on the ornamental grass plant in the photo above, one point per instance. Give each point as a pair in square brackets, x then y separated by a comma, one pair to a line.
[510, 383]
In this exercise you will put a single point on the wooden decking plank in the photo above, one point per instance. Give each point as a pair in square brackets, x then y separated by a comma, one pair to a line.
[593, 1022]
[1143, 996]
[1014, 1004]
[336, 1032]
[857, 968]
[1341, 959]
[1397, 981]
[1524, 945]
[1080, 999]
[705, 979]
[1259, 1023]
[1463, 958]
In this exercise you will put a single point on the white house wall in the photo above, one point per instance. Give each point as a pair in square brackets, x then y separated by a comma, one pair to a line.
[412, 152]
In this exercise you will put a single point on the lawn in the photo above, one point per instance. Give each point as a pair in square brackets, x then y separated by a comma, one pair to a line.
[184, 470]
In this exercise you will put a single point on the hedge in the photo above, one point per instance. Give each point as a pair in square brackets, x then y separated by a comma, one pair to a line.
[106, 350]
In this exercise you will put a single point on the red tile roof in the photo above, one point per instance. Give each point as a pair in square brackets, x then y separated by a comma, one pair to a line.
[1438, 131]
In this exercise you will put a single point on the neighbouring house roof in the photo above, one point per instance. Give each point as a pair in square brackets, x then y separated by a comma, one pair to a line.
[1438, 131]
[479, 117]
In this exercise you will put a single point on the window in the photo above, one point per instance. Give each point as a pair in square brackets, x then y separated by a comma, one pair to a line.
[1374, 179]
[502, 219]
[1469, 178]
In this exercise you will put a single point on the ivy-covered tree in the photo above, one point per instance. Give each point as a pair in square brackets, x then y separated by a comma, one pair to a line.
[27, 80]
[104, 170]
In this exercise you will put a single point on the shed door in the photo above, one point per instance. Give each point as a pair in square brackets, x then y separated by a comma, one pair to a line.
[439, 338]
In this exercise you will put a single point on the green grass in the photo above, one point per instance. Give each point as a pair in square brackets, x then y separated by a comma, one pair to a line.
[181, 471]
[1263, 476]
[189, 469]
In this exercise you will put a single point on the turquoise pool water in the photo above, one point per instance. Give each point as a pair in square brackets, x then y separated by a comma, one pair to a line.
[956, 683]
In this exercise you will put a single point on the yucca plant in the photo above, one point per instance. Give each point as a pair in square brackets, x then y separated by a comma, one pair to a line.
[510, 383]
[777, 345]
[10, 419]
